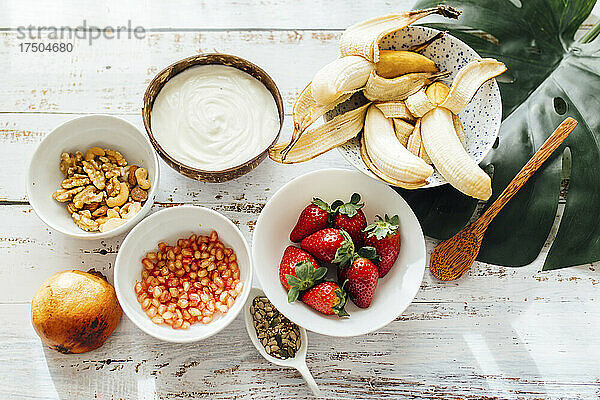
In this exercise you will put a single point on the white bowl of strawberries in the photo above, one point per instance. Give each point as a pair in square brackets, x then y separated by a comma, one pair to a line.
[339, 253]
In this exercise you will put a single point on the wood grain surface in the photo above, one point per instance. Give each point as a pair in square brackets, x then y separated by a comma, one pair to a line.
[497, 333]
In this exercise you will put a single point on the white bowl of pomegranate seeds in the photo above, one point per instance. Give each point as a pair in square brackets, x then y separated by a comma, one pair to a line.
[183, 273]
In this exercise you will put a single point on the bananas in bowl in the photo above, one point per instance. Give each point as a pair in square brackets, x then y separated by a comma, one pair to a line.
[410, 121]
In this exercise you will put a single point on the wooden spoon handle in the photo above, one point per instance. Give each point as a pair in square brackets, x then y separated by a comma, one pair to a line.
[551, 144]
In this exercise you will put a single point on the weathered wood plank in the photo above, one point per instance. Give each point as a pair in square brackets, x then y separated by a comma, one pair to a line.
[518, 352]
[111, 76]
[206, 14]
[30, 252]
[21, 133]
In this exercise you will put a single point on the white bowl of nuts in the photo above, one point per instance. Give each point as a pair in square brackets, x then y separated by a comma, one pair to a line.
[183, 273]
[93, 177]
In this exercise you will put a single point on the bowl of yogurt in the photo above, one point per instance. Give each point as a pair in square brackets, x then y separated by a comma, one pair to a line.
[213, 117]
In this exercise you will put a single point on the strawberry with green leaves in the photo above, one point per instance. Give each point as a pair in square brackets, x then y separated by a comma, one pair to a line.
[327, 298]
[361, 277]
[330, 245]
[314, 217]
[350, 217]
[384, 236]
[298, 271]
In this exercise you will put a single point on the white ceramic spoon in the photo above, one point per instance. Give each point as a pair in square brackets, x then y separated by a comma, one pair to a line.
[298, 361]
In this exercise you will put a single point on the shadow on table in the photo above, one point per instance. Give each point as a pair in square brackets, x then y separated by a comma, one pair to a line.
[133, 365]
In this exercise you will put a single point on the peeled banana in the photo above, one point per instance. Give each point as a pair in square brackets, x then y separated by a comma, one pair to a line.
[373, 168]
[381, 89]
[321, 139]
[437, 92]
[362, 39]
[450, 158]
[414, 140]
[468, 80]
[306, 111]
[403, 130]
[460, 131]
[419, 104]
[342, 76]
[394, 63]
[395, 109]
[388, 155]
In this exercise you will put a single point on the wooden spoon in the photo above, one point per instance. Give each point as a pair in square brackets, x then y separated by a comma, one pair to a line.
[453, 257]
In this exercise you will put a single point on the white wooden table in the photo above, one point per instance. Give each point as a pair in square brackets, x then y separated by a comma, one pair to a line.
[497, 333]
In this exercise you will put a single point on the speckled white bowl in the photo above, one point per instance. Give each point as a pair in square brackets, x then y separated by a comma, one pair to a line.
[481, 118]
[44, 176]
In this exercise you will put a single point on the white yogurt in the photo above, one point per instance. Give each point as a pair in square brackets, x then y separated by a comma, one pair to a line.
[214, 117]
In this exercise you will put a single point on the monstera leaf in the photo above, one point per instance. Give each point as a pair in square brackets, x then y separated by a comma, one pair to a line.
[550, 76]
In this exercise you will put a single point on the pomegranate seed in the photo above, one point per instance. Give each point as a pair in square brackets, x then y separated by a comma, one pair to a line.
[148, 264]
[223, 308]
[164, 297]
[182, 303]
[187, 283]
[177, 324]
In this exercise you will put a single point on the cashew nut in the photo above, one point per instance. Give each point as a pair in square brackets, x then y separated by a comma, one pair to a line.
[111, 224]
[121, 198]
[141, 174]
[113, 213]
[129, 210]
[93, 152]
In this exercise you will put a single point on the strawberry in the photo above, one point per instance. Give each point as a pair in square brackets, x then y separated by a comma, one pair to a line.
[327, 298]
[314, 217]
[350, 218]
[384, 236]
[330, 245]
[298, 271]
[361, 278]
